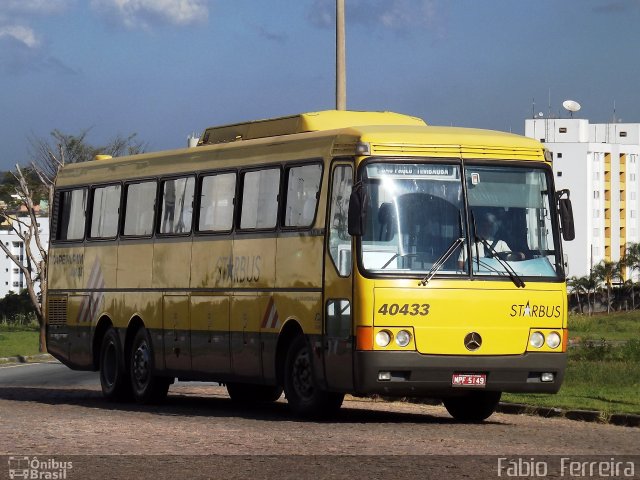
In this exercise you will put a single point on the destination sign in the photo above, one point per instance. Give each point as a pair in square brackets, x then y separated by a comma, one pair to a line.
[402, 170]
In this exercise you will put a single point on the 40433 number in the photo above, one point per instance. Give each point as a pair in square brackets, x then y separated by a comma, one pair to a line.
[412, 309]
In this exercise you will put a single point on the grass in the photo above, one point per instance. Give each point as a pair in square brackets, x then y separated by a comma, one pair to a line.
[599, 377]
[18, 342]
[615, 326]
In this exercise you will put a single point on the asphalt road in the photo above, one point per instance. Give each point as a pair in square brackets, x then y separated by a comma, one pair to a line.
[47, 409]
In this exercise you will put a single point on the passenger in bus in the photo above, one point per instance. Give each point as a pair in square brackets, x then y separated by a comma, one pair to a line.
[485, 244]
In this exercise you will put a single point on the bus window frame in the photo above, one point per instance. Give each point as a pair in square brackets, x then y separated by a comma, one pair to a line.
[125, 196]
[56, 215]
[409, 160]
[198, 201]
[284, 189]
[334, 164]
[240, 195]
[158, 206]
[89, 214]
[561, 273]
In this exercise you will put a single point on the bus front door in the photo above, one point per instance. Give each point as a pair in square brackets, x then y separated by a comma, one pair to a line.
[337, 325]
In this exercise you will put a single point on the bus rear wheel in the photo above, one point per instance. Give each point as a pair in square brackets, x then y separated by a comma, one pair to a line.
[248, 393]
[304, 396]
[473, 407]
[114, 378]
[146, 387]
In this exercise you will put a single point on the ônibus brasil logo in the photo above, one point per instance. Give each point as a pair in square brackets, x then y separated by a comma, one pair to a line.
[34, 468]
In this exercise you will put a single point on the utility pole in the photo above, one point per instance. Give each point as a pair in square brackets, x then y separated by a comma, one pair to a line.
[341, 75]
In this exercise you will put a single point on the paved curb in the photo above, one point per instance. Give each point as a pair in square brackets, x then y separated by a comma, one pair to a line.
[41, 357]
[620, 419]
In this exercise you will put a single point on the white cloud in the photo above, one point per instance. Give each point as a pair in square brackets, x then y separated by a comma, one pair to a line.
[146, 13]
[41, 7]
[24, 35]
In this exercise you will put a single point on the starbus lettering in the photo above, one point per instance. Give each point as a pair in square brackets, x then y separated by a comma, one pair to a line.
[536, 311]
[68, 259]
[240, 269]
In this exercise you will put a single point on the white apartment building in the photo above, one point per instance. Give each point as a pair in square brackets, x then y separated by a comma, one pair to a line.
[11, 277]
[600, 165]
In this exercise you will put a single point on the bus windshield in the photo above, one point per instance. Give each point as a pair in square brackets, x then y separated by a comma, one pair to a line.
[415, 215]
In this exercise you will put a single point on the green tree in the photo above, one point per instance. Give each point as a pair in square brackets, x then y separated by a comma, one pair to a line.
[607, 272]
[48, 157]
[632, 262]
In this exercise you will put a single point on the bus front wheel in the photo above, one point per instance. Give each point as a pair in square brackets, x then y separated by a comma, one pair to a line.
[473, 407]
[304, 396]
[147, 387]
[114, 378]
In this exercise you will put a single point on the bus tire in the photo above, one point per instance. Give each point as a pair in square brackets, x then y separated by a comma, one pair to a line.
[146, 387]
[304, 396]
[114, 378]
[473, 407]
[248, 393]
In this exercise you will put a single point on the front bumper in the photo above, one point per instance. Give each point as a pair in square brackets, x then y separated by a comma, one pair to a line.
[415, 374]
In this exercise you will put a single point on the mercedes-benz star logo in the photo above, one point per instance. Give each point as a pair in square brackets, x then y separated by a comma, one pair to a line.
[472, 341]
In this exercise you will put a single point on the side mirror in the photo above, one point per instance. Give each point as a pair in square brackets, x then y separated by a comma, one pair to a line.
[566, 216]
[355, 219]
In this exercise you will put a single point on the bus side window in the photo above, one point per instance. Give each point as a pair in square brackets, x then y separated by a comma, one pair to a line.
[140, 202]
[71, 214]
[339, 238]
[260, 199]
[105, 210]
[177, 205]
[217, 194]
[303, 183]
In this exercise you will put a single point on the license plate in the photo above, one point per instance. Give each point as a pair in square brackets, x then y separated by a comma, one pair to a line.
[469, 380]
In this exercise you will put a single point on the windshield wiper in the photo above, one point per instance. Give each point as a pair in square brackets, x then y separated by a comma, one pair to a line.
[437, 265]
[515, 278]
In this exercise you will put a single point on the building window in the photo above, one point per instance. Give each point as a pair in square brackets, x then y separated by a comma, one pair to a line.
[623, 134]
[596, 213]
[632, 177]
[632, 214]
[632, 195]
[596, 194]
[559, 174]
[596, 232]
[596, 175]
[559, 155]
[563, 130]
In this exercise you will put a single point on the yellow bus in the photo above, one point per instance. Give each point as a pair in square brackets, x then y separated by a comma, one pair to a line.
[322, 254]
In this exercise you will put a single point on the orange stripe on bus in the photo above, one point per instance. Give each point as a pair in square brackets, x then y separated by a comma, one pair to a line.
[364, 338]
[565, 339]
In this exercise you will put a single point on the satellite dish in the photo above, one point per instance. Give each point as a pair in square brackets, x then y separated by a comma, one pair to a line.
[571, 105]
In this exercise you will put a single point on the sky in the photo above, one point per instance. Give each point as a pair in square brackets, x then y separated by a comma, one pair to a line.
[164, 69]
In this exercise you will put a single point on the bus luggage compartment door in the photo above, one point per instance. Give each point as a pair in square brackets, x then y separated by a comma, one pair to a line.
[177, 336]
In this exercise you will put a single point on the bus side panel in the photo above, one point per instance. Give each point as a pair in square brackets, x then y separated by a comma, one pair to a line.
[210, 334]
[66, 271]
[134, 264]
[254, 270]
[171, 263]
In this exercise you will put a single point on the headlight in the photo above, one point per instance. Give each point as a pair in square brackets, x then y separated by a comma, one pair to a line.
[537, 339]
[383, 338]
[403, 338]
[553, 340]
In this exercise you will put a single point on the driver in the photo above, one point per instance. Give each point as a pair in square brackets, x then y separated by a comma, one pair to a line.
[485, 243]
